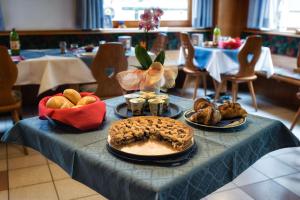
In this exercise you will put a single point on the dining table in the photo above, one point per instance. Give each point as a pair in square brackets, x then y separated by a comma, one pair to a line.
[49, 68]
[221, 155]
[217, 61]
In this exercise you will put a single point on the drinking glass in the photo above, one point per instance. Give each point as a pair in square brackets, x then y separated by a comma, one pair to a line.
[74, 47]
[63, 47]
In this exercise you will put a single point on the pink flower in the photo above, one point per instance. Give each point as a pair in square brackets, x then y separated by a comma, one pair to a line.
[158, 12]
[149, 20]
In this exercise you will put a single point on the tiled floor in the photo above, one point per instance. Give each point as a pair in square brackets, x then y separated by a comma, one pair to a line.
[275, 176]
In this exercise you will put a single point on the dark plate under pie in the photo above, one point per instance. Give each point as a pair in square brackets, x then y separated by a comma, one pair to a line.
[139, 152]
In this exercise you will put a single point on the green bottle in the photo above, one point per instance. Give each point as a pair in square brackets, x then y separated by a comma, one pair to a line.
[14, 43]
[216, 36]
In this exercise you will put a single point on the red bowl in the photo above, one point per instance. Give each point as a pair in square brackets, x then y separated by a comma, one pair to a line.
[84, 118]
[231, 44]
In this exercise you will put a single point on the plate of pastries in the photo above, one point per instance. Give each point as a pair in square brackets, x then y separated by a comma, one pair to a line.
[150, 137]
[210, 115]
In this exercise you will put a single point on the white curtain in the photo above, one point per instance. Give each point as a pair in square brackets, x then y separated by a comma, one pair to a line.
[268, 14]
[1, 19]
[202, 13]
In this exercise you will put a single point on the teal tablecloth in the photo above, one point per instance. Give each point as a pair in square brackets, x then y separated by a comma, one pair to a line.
[221, 156]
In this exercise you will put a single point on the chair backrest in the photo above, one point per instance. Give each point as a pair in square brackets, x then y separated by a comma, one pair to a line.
[8, 77]
[188, 50]
[160, 43]
[109, 61]
[298, 57]
[249, 55]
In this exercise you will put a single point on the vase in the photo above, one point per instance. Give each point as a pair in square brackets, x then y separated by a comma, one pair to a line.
[151, 88]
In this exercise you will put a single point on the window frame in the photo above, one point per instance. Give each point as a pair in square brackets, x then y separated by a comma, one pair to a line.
[163, 23]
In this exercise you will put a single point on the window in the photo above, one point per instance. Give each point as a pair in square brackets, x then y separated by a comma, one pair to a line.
[293, 14]
[176, 12]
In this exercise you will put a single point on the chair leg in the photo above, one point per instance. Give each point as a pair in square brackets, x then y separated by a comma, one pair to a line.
[251, 89]
[197, 81]
[295, 119]
[219, 88]
[185, 83]
[215, 84]
[16, 118]
[204, 83]
[234, 91]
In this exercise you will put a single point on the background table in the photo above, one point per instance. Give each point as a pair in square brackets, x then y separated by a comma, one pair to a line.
[221, 156]
[225, 61]
[52, 71]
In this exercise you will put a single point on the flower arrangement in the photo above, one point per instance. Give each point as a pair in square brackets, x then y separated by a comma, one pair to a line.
[151, 75]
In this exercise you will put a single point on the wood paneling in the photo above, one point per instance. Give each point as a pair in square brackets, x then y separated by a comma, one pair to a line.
[231, 16]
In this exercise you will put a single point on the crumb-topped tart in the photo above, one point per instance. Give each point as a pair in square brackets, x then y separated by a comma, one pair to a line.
[134, 129]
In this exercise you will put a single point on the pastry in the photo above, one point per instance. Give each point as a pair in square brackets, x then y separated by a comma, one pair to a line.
[232, 110]
[202, 103]
[86, 100]
[208, 116]
[58, 102]
[168, 130]
[72, 95]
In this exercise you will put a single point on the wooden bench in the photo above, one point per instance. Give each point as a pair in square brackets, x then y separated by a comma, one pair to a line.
[284, 67]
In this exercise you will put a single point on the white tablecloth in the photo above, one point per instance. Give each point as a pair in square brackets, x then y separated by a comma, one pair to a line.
[52, 71]
[220, 63]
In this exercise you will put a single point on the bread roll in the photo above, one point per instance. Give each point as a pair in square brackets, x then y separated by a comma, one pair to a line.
[67, 104]
[77, 106]
[58, 102]
[72, 95]
[86, 100]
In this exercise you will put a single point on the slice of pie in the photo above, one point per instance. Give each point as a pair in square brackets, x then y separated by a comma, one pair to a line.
[173, 132]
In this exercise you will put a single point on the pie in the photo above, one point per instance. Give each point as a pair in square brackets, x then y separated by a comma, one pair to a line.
[134, 129]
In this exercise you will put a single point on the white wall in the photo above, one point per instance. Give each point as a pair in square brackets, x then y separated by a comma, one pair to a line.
[38, 14]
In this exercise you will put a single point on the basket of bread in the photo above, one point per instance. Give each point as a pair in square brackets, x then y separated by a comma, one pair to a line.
[83, 111]
[208, 114]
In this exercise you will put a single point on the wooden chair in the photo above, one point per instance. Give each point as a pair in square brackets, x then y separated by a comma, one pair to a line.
[9, 101]
[190, 68]
[109, 61]
[246, 74]
[297, 114]
[160, 43]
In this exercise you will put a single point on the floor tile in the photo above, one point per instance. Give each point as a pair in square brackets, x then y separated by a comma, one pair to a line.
[57, 172]
[29, 176]
[26, 161]
[292, 159]
[228, 186]
[235, 194]
[269, 190]
[273, 168]
[43, 191]
[291, 182]
[2, 150]
[3, 180]
[3, 165]
[93, 197]
[4, 195]
[71, 189]
[249, 176]
[14, 150]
